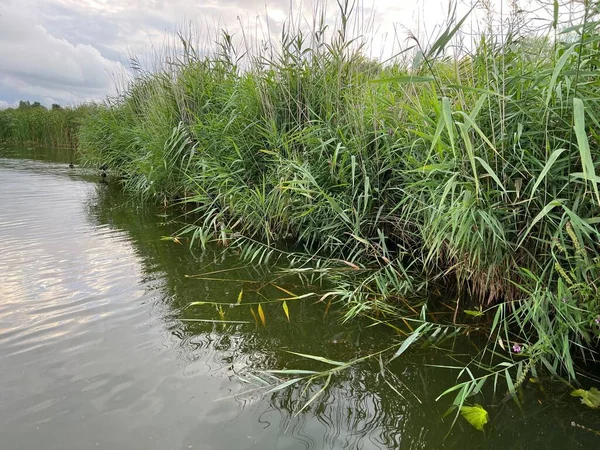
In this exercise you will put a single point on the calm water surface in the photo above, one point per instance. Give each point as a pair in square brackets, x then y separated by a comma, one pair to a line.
[97, 350]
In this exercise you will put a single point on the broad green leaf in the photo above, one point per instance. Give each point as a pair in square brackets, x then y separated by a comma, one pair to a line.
[477, 108]
[436, 137]
[440, 44]
[447, 114]
[469, 123]
[475, 415]
[405, 79]
[589, 398]
[583, 176]
[491, 172]
[409, 340]
[549, 207]
[471, 154]
[584, 146]
[553, 157]
[559, 65]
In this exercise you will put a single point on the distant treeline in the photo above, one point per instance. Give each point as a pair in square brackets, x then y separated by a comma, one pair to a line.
[33, 123]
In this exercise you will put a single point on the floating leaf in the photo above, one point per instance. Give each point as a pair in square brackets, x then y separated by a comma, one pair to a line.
[293, 372]
[286, 310]
[314, 397]
[473, 312]
[261, 314]
[319, 358]
[589, 398]
[214, 321]
[281, 386]
[171, 238]
[298, 297]
[239, 300]
[475, 415]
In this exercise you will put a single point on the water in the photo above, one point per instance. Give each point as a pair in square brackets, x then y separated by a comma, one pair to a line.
[96, 350]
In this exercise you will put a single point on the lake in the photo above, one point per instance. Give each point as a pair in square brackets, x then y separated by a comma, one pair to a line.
[100, 348]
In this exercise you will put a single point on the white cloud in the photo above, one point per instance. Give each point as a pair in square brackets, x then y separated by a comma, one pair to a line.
[68, 50]
[35, 63]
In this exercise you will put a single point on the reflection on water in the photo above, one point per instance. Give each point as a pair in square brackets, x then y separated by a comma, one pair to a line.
[96, 350]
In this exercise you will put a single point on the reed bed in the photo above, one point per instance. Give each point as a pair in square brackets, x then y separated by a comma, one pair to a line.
[37, 125]
[469, 171]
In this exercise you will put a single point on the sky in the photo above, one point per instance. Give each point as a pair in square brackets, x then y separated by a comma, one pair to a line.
[74, 51]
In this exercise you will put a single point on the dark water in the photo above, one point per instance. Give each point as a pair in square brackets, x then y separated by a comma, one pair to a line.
[97, 350]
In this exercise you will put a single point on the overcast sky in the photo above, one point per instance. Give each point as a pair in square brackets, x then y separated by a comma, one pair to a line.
[69, 51]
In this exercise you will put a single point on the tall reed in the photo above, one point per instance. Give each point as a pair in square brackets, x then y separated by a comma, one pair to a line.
[471, 170]
[55, 127]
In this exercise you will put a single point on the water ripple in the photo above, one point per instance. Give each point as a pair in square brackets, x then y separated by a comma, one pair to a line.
[95, 348]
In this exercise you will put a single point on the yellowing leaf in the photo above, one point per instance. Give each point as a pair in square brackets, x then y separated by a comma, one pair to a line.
[319, 358]
[349, 264]
[254, 315]
[589, 398]
[239, 300]
[327, 307]
[285, 290]
[197, 303]
[221, 313]
[286, 310]
[501, 343]
[261, 314]
[475, 415]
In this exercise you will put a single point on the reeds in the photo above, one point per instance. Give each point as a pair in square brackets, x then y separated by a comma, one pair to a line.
[55, 127]
[474, 173]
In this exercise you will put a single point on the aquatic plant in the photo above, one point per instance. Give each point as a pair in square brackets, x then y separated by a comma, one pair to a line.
[466, 173]
[35, 124]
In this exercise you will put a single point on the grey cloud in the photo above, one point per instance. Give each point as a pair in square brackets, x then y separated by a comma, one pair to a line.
[69, 49]
[35, 62]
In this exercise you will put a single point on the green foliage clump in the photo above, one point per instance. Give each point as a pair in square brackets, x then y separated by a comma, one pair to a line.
[35, 124]
[476, 174]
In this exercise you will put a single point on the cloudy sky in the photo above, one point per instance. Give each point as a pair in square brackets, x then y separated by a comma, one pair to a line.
[71, 51]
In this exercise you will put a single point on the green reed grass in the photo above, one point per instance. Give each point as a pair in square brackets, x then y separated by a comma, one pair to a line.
[55, 127]
[467, 170]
